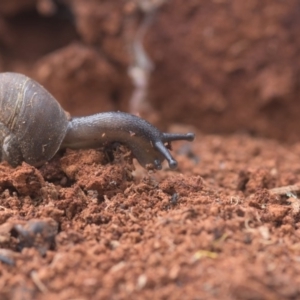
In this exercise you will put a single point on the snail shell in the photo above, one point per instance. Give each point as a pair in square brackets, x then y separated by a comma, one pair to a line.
[32, 123]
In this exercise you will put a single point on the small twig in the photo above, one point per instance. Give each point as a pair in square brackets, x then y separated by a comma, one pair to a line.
[258, 217]
[141, 65]
[35, 278]
[285, 190]
[107, 202]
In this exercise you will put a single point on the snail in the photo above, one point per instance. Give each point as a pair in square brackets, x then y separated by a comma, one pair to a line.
[33, 127]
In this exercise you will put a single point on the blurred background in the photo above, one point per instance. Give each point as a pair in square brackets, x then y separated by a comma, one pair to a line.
[224, 66]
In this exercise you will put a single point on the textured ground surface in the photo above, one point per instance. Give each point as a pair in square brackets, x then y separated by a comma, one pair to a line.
[82, 228]
[226, 224]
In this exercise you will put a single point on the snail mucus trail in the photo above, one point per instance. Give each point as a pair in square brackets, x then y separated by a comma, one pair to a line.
[33, 127]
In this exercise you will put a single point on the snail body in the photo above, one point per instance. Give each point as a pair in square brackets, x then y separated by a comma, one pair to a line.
[33, 127]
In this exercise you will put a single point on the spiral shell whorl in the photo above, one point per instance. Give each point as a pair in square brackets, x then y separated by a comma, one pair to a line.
[32, 116]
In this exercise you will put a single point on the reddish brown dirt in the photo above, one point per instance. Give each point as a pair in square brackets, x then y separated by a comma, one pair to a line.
[239, 65]
[211, 230]
[230, 65]
[225, 224]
